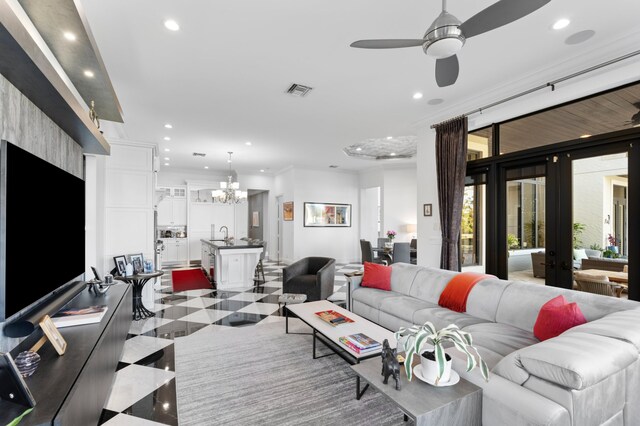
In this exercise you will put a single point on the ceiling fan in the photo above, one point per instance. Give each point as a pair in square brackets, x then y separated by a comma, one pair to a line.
[446, 35]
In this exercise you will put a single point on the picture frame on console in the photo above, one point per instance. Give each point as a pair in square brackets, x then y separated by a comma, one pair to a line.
[121, 264]
[137, 260]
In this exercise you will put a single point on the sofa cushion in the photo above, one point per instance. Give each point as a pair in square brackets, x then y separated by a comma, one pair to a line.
[442, 317]
[429, 283]
[577, 360]
[500, 338]
[579, 254]
[402, 277]
[616, 326]
[484, 298]
[372, 296]
[376, 276]
[521, 302]
[404, 306]
[557, 316]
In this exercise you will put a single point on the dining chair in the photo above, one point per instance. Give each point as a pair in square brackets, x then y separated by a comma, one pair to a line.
[413, 254]
[367, 253]
[597, 284]
[381, 242]
[401, 253]
[625, 269]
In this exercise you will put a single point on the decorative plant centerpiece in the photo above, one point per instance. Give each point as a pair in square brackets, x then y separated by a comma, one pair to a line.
[416, 337]
[391, 234]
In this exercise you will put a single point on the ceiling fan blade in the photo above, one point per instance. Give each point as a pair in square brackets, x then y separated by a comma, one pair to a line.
[447, 70]
[498, 14]
[387, 44]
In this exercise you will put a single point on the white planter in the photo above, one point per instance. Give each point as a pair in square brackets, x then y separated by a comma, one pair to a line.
[430, 370]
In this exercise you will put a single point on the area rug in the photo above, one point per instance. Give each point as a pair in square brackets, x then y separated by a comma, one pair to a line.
[189, 279]
[259, 375]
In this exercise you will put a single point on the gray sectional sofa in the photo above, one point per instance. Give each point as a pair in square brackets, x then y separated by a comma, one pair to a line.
[589, 375]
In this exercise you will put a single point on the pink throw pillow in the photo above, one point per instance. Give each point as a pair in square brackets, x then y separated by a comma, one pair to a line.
[557, 316]
[376, 276]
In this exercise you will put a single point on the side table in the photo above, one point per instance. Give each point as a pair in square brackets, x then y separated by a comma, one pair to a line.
[138, 282]
[290, 299]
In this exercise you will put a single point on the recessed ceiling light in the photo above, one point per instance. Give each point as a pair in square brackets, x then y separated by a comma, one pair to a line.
[166, 164]
[229, 160]
[171, 25]
[69, 36]
[168, 126]
[167, 150]
[206, 167]
[167, 138]
[393, 154]
[417, 95]
[247, 143]
[261, 170]
[358, 149]
[585, 136]
[561, 23]
[88, 73]
[167, 158]
[389, 138]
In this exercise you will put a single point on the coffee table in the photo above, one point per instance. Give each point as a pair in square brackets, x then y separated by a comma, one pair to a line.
[329, 334]
[457, 405]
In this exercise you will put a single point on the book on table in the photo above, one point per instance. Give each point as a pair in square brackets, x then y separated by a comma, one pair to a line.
[360, 343]
[79, 316]
[334, 318]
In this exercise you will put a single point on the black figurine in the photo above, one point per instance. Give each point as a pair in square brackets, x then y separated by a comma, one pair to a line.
[390, 364]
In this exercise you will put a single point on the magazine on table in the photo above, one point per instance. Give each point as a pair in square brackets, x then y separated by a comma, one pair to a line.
[334, 318]
[79, 316]
[360, 343]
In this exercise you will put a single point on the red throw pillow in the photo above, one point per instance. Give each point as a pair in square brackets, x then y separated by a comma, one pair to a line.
[376, 276]
[557, 316]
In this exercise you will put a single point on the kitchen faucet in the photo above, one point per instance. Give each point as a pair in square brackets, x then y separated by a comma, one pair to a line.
[226, 232]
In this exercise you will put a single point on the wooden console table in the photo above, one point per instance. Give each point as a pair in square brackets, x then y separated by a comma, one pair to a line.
[72, 389]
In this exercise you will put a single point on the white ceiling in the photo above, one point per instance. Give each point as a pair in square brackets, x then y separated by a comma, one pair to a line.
[220, 80]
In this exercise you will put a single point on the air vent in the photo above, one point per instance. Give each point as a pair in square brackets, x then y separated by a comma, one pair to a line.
[199, 154]
[333, 166]
[299, 90]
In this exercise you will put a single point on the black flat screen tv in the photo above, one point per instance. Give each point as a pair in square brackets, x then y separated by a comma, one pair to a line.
[42, 230]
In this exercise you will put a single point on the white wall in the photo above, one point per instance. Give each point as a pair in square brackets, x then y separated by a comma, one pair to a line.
[429, 236]
[284, 187]
[399, 202]
[341, 243]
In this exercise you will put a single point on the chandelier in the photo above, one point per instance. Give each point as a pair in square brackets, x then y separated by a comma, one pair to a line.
[229, 192]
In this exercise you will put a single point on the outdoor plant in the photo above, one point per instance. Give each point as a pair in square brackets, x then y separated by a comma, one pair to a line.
[391, 234]
[513, 242]
[578, 228]
[595, 246]
[416, 337]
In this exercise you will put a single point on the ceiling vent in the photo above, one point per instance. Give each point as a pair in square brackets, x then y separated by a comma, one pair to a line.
[299, 90]
[333, 166]
[199, 154]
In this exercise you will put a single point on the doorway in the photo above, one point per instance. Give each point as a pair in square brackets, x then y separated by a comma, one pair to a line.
[257, 203]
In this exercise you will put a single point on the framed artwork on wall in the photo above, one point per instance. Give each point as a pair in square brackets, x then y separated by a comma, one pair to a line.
[427, 210]
[287, 211]
[255, 219]
[330, 215]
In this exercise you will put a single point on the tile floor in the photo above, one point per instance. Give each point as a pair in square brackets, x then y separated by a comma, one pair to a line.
[144, 390]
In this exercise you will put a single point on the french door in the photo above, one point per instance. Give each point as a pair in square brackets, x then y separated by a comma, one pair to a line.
[543, 213]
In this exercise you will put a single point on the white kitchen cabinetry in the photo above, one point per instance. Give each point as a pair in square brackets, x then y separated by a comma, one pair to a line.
[175, 250]
[172, 212]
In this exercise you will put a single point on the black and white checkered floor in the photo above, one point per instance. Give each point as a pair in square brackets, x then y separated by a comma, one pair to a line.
[144, 390]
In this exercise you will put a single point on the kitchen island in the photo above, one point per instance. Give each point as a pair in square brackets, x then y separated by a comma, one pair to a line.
[231, 264]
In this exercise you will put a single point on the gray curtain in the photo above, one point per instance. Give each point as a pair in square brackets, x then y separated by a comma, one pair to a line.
[451, 162]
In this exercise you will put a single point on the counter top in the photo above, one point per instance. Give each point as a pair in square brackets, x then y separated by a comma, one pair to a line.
[221, 245]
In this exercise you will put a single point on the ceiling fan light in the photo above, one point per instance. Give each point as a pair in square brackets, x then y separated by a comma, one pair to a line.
[443, 48]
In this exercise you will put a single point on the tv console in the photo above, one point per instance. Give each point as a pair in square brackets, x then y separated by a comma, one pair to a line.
[73, 388]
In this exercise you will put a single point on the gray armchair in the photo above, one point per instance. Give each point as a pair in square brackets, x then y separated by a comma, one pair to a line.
[313, 276]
